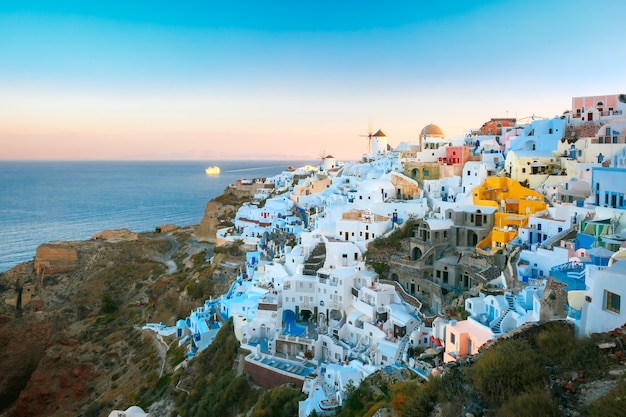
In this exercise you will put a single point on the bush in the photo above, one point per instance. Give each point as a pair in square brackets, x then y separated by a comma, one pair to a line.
[279, 401]
[109, 305]
[536, 403]
[416, 400]
[557, 342]
[217, 391]
[508, 369]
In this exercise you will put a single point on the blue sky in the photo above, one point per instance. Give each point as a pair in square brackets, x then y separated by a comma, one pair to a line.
[163, 80]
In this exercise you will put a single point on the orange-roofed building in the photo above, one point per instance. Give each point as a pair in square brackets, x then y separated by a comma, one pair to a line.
[494, 126]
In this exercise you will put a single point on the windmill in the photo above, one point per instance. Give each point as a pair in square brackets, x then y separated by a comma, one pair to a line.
[322, 157]
[369, 135]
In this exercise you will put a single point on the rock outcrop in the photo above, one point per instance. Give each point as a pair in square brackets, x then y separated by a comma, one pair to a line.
[55, 258]
[208, 226]
[119, 235]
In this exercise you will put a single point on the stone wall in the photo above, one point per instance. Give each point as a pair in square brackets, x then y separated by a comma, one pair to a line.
[267, 378]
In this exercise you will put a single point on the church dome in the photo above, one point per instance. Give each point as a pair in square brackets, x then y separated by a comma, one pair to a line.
[432, 130]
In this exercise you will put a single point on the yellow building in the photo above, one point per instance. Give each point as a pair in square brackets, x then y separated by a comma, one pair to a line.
[514, 202]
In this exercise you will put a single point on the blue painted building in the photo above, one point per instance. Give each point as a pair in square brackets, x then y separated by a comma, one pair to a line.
[609, 187]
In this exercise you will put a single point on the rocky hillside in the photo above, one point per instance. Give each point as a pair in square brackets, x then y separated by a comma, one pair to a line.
[72, 343]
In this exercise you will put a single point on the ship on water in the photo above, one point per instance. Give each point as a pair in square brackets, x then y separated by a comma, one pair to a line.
[214, 170]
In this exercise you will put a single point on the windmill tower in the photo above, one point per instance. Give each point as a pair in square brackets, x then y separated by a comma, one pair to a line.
[322, 158]
[326, 161]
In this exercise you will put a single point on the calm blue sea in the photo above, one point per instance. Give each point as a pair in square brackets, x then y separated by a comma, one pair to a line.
[48, 201]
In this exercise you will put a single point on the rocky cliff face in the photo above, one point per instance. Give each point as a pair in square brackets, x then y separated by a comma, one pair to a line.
[55, 258]
[213, 214]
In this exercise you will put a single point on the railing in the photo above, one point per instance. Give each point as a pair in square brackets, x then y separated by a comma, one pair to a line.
[602, 113]
[404, 295]
[567, 266]
[296, 339]
[556, 237]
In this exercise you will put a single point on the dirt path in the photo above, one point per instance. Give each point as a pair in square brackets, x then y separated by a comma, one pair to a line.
[160, 345]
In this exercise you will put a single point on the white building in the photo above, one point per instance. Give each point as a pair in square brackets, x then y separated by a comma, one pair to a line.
[361, 225]
[604, 308]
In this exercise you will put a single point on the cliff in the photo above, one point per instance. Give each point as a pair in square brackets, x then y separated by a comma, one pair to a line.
[54, 258]
[82, 352]
[215, 214]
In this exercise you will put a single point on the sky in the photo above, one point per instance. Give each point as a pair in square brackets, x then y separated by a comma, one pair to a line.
[206, 80]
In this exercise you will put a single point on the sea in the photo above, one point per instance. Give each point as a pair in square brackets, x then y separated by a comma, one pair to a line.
[45, 201]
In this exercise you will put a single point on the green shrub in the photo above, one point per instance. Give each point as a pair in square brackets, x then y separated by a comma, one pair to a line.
[508, 369]
[536, 403]
[279, 401]
[419, 402]
[109, 304]
[555, 341]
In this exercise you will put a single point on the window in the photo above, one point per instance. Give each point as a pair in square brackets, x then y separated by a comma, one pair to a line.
[608, 131]
[523, 170]
[452, 338]
[612, 301]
